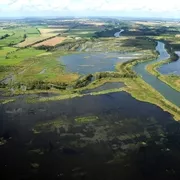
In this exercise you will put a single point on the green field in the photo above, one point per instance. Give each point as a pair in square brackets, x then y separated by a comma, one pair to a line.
[32, 31]
[15, 38]
[83, 32]
[17, 56]
[4, 32]
[5, 50]
[17, 35]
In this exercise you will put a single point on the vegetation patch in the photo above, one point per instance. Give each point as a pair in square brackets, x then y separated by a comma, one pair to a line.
[2, 141]
[171, 80]
[49, 126]
[86, 119]
[35, 165]
[37, 151]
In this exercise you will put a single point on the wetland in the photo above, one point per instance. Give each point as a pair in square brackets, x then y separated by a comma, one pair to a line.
[94, 105]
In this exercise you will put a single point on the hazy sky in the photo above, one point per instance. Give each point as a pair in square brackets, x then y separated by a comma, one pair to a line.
[136, 8]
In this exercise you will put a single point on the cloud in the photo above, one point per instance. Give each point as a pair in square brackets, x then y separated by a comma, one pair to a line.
[98, 6]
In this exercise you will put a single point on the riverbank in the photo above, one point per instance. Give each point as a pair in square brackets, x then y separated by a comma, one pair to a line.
[169, 93]
[171, 80]
[142, 91]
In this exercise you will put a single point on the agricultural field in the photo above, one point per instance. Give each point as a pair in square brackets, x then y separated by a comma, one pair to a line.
[42, 34]
[5, 32]
[16, 56]
[83, 32]
[16, 36]
[5, 50]
[51, 42]
[52, 31]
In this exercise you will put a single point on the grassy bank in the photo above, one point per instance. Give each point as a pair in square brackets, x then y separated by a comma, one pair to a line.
[140, 90]
[171, 80]
[171, 45]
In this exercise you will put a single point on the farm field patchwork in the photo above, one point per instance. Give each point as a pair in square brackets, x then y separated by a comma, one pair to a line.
[35, 35]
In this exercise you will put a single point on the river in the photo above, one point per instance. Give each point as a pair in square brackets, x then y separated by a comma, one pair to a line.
[172, 67]
[117, 34]
[168, 92]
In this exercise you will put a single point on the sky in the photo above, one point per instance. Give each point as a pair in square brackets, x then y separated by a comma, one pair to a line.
[121, 8]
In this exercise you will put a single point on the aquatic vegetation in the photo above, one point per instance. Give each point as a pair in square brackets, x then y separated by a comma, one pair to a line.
[35, 165]
[31, 99]
[5, 101]
[35, 131]
[86, 119]
[2, 141]
[49, 126]
[37, 151]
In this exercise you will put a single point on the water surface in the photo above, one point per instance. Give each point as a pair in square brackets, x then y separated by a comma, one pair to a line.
[44, 141]
[172, 67]
[117, 34]
[87, 63]
[168, 92]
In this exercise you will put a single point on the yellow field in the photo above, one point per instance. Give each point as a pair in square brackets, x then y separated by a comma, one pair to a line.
[51, 42]
[45, 33]
[32, 40]
[177, 35]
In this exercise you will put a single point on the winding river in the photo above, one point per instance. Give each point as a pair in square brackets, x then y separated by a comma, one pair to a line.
[117, 34]
[172, 67]
[168, 92]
